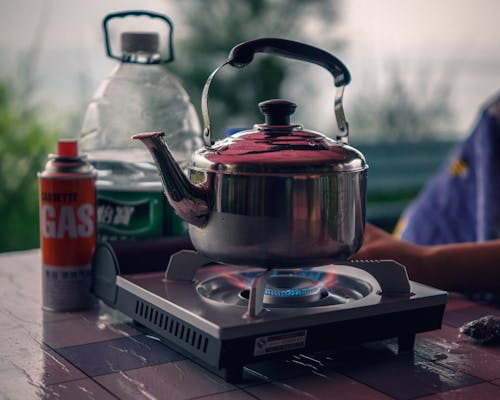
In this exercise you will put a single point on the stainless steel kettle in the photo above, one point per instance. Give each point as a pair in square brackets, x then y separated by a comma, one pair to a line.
[277, 195]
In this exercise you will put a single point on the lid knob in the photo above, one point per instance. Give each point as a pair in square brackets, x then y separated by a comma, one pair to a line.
[277, 111]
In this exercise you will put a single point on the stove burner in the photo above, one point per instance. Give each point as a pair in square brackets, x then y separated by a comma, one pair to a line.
[292, 286]
[291, 289]
[286, 288]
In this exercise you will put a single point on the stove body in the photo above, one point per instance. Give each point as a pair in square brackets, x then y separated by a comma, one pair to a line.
[225, 316]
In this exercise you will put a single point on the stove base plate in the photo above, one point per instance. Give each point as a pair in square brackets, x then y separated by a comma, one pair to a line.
[220, 340]
[227, 358]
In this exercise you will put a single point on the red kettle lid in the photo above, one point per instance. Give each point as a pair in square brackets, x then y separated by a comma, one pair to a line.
[277, 147]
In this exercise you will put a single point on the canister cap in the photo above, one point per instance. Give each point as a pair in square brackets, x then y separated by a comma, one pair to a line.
[67, 148]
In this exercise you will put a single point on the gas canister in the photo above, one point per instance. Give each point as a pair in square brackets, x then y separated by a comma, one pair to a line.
[67, 228]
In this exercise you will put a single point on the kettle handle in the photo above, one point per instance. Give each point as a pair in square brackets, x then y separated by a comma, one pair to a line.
[242, 54]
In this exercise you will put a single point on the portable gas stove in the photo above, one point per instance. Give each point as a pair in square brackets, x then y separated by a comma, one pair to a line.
[226, 316]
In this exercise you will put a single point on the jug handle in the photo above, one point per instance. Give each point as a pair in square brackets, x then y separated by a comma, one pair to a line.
[242, 54]
[138, 13]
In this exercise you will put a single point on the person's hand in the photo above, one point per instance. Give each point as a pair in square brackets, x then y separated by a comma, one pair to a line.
[380, 245]
[463, 267]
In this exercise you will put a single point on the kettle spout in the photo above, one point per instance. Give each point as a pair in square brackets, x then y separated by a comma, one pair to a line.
[188, 201]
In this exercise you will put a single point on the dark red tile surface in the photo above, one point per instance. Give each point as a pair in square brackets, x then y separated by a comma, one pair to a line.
[35, 361]
[77, 390]
[416, 377]
[119, 355]
[482, 391]
[329, 386]
[461, 316]
[454, 351]
[457, 301]
[99, 354]
[234, 395]
[77, 331]
[14, 384]
[173, 381]
[293, 366]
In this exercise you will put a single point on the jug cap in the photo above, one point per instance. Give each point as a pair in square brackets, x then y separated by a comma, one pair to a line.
[133, 42]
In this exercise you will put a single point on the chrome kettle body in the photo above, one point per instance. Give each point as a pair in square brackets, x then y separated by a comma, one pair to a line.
[277, 195]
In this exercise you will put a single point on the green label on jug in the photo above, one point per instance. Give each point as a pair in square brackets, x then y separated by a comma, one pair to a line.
[126, 215]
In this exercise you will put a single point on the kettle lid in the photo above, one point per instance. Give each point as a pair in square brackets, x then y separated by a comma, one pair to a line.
[277, 146]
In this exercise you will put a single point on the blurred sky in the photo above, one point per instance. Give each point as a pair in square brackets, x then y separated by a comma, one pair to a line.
[429, 38]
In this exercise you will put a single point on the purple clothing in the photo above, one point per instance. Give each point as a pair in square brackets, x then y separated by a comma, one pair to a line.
[462, 202]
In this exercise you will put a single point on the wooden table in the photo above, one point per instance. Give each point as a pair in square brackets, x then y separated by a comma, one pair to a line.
[100, 354]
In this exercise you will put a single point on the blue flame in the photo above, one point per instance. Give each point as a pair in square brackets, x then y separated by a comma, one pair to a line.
[291, 292]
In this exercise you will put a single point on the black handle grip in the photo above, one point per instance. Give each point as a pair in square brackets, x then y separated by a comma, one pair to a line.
[243, 53]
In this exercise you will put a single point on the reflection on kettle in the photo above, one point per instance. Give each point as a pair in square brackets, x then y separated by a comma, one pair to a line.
[277, 195]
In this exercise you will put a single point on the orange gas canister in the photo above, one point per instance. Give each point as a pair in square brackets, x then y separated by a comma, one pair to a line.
[67, 228]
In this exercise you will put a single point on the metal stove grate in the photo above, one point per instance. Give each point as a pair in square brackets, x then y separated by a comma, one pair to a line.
[171, 327]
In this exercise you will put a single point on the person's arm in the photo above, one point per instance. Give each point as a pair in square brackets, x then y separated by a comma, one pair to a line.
[454, 267]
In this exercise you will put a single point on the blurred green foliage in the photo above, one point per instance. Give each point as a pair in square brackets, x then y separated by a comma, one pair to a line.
[405, 112]
[24, 146]
[217, 26]
[212, 29]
